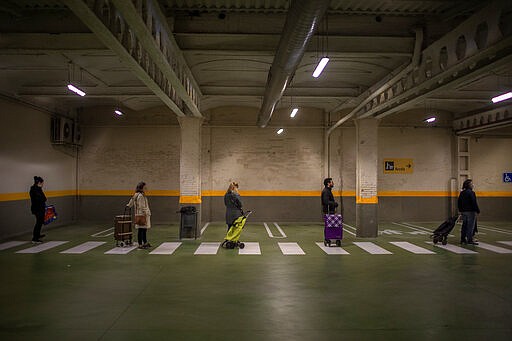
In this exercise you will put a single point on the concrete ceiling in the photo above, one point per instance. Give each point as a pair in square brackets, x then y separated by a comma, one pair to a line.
[229, 46]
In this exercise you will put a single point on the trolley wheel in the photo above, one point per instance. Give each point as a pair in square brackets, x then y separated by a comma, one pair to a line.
[230, 245]
[325, 242]
[445, 240]
[121, 244]
[242, 245]
[329, 242]
[435, 240]
[338, 242]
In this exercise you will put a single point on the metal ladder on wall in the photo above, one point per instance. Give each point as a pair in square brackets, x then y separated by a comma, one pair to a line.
[463, 169]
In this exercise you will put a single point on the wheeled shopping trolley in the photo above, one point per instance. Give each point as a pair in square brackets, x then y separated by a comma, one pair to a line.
[333, 229]
[441, 233]
[123, 234]
[232, 239]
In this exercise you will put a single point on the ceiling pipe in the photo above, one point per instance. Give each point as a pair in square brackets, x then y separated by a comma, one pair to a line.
[301, 22]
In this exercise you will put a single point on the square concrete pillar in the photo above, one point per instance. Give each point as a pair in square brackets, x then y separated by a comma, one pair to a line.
[190, 164]
[366, 177]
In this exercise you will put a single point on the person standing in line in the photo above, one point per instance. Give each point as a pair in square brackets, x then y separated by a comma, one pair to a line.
[329, 205]
[142, 214]
[233, 204]
[469, 209]
[38, 205]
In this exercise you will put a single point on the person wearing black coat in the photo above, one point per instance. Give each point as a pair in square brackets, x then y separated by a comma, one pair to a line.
[329, 205]
[233, 204]
[468, 207]
[38, 204]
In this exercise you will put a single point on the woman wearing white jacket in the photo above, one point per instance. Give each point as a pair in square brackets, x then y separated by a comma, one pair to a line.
[142, 214]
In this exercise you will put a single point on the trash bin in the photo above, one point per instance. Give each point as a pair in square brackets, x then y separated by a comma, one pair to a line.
[188, 225]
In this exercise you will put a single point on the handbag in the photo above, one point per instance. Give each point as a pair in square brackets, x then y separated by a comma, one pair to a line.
[140, 220]
[50, 214]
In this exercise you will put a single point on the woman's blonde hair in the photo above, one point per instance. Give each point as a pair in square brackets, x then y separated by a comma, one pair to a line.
[233, 187]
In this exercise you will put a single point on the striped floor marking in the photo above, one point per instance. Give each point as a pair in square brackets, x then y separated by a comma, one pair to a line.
[121, 250]
[335, 250]
[166, 248]
[372, 248]
[291, 249]
[83, 247]
[455, 249]
[42, 247]
[413, 248]
[493, 248]
[506, 242]
[207, 249]
[251, 248]
[8, 245]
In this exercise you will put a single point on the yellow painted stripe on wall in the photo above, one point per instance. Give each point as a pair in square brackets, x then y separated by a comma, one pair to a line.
[372, 200]
[26, 196]
[248, 193]
[190, 199]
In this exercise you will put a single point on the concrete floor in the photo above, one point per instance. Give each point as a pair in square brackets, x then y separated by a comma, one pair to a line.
[227, 296]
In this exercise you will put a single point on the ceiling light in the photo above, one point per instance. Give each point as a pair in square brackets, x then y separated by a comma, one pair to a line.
[280, 131]
[294, 112]
[119, 112]
[430, 119]
[320, 67]
[76, 90]
[502, 97]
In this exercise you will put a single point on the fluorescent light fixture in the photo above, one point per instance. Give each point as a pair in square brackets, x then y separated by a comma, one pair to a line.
[502, 97]
[320, 67]
[119, 112]
[280, 131]
[294, 112]
[76, 90]
[430, 119]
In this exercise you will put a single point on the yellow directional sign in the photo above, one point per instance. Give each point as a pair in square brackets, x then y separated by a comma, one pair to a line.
[398, 166]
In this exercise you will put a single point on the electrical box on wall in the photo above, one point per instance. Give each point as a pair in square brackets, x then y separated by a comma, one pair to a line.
[65, 132]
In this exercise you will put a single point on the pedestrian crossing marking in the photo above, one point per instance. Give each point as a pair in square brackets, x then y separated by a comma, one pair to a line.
[493, 248]
[332, 250]
[509, 243]
[291, 249]
[413, 248]
[11, 244]
[121, 250]
[207, 249]
[372, 248]
[251, 248]
[165, 249]
[82, 248]
[42, 247]
[455, 249]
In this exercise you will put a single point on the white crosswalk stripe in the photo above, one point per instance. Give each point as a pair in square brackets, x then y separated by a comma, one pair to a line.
[121, 250]
[413, 248]
[506, 242]
[291, 249]
[165, 249]
[42, 247]
[493, 248]
[372, 248]
[82, 248]
[207, 248]
[8, 245]
[332, 250]
[455, 249]
[251, 248]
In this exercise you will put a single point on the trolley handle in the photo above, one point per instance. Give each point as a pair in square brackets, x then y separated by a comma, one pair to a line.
[129, 209]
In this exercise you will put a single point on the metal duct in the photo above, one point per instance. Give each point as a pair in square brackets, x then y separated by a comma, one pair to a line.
[301, 22]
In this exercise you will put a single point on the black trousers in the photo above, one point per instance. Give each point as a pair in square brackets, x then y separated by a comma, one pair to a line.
[142, 236]
[38, 225]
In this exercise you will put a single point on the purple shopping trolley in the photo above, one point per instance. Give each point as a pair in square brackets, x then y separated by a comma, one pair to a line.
[333, 230]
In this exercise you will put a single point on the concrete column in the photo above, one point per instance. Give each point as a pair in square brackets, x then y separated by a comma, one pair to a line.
[190, 164]
[366, 177]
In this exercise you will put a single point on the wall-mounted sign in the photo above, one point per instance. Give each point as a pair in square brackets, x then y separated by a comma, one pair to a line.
[398, 166]
[507, 177]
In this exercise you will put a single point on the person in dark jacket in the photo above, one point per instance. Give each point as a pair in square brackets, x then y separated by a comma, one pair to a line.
[233, 204]
[468, 207]
[38, 204]
[328, 204]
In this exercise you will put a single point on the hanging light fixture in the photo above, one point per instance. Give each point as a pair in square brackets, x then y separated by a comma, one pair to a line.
[280, 131]
[76, 90]
[325, 59]
[502, 97]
